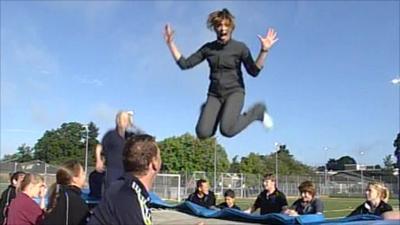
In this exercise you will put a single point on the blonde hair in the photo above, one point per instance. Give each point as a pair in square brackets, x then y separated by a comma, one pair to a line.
[383, 191]
[119, 115]
[30, 178]
[215, 18]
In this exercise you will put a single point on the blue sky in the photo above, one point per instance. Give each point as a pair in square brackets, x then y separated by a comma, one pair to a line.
[326, 81]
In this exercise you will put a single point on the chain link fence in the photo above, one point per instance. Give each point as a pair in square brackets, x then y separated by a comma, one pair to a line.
[178, 185]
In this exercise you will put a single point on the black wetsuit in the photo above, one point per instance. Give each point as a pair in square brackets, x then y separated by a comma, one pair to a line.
[226, 91]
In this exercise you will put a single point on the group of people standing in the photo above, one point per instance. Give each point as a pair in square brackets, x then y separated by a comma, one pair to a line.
[126, 201]
[64, 202]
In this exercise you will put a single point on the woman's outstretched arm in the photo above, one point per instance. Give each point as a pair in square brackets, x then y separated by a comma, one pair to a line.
[182, 62]
[266, 43]
[169, 39]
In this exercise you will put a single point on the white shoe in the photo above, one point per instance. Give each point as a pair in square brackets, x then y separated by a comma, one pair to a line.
[267, 121]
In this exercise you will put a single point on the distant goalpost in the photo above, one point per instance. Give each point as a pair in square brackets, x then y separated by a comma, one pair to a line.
[233, 181]
[168, 186]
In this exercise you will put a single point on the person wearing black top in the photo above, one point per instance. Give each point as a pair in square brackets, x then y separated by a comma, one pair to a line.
[127, 200]
[226, 91]
[66, 206]
[112, 146]
[71, 208]
[202, 196]
[377, 196]
[96, 181]
[229, 196]
[9, 194]
[308, 203]
[271, 200]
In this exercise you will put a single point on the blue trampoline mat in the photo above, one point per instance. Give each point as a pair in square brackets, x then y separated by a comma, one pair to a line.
[272, 218]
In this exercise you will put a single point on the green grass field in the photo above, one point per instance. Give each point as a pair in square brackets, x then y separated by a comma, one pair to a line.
[334, 207]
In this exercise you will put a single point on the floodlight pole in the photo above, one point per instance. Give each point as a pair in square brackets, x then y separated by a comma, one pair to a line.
[86, 126]
[277, 145]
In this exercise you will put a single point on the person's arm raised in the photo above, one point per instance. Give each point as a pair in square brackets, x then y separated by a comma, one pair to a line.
[182, 62]
[169, 39]
[99, 159]
[266, 43]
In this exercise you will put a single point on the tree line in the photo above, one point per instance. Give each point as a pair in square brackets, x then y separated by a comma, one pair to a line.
[179, 153]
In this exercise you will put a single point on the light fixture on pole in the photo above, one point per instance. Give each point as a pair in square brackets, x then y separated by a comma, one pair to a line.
[361, 172]
[277, 146]
[86, 126]
[326, 165]
[396, 81]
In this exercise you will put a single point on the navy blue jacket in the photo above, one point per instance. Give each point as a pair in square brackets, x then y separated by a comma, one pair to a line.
[125, 202]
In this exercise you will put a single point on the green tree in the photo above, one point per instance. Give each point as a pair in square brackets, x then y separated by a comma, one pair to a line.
[254, 163]
[345, 160]
[187, 153]
[235, 165]
[66, 142]
[388, 162]
[9, 158]
[396, 144]
[93, 134]
[24, 153]
[287, 165]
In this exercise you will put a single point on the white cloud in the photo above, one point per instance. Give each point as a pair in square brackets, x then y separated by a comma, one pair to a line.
[36, 57]
[90, 80]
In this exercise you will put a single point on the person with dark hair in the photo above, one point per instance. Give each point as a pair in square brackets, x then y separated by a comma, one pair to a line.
[202, 195]
[377, 197]
[96, 181]
[127, 200]
[23, 209]
[229, 196]
[396, 144]
[271, 200]
[112, 145]
[307, 203]
[66, 205]
[226, 91]
[9, 194]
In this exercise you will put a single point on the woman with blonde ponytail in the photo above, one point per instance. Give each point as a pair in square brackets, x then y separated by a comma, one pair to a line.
[377, 196]
[65, 206]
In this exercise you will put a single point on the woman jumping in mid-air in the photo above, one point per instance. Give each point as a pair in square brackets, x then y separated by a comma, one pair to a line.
[226, 91]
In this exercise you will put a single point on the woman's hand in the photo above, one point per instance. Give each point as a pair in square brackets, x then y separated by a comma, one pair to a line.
[290, 212]
[269, 40]
[168, 34]
[43, 191]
